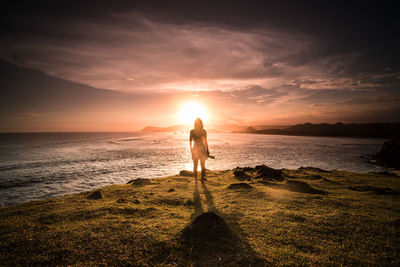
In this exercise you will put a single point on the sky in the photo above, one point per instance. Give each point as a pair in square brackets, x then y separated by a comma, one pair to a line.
[124, 65]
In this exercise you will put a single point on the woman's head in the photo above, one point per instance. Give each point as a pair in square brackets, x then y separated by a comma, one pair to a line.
[198, 124]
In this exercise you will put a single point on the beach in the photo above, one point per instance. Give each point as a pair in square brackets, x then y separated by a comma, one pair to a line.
[37, 166]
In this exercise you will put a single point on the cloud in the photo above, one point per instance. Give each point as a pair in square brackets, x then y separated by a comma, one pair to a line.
[129, 52]
[272, 74]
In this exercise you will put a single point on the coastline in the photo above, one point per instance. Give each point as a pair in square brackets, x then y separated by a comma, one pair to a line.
[308, 216]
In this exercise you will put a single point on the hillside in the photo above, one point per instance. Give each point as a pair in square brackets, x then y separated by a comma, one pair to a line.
[369, 130]
[306, 216]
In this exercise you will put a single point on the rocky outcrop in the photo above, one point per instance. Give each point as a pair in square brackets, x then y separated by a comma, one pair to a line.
[240, 174]
[268, 173]
[389, 154]
[140, 182]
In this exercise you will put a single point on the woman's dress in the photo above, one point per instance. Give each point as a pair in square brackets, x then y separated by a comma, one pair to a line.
[199, 151]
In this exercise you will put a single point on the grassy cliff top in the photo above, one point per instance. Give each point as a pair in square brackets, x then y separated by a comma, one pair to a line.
[310, 216]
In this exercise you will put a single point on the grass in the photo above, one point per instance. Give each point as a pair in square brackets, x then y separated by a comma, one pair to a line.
[283, 223]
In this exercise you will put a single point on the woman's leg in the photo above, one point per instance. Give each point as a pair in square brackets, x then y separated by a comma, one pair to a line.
[203, 168]
[195, 163]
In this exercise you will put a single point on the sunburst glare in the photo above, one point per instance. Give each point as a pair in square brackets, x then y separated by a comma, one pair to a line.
[189, 111]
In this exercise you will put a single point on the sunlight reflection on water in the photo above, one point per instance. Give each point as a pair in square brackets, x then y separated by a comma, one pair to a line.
[36, 166]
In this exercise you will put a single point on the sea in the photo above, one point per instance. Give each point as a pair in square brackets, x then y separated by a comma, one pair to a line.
[36, 166]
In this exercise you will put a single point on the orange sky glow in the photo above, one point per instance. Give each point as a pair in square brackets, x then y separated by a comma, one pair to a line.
[130, 71]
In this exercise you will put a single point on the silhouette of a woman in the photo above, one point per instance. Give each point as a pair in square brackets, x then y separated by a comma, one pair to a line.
[199, 149]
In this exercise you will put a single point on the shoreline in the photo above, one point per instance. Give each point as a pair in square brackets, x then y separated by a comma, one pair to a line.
[385, 170]
[302, 216]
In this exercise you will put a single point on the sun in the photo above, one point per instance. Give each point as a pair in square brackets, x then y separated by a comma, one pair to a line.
[189, 111]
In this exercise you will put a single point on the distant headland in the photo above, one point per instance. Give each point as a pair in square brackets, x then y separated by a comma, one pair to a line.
[364, 130]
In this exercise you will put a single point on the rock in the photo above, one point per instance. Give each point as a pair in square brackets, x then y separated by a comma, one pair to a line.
[207, 227]
[171, 190]
[240, 186]
[389, 154]
[185, 173]
[95, 195]
[241, 175]
[266, 172]
[247, 169]
[140, 182]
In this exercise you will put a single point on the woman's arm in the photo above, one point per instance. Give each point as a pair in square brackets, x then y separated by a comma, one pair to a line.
[205, 141]
[190, 141]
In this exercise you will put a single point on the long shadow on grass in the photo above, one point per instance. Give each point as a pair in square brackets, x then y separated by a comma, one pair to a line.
[226, 246]
[198, 208]
[209, 199]
[209, 239]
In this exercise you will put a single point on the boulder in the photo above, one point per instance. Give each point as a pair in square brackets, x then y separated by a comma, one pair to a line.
[389, 154]
[240, 174]
[186, 173]
[95, 195]
[140, 182]
[266, 172]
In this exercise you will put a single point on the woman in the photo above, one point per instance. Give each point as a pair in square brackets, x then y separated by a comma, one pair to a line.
[199, 149]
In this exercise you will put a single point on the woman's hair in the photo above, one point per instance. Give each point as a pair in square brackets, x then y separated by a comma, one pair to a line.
[198, 124]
